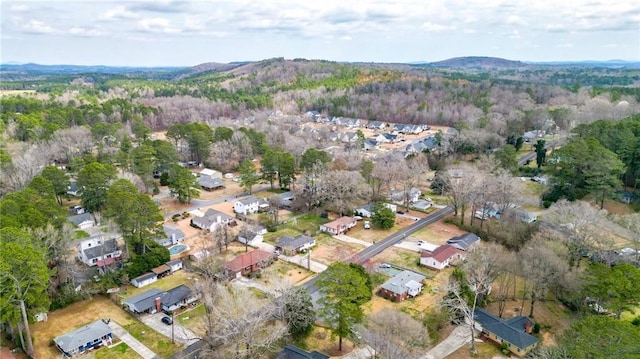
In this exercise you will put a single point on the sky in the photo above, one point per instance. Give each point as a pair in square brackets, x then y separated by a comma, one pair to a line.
[187, 33]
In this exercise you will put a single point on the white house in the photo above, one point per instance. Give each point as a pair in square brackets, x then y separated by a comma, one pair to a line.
[207, 172]
[173, 236]
[247, 205]
[83, 220]
[85, 338]
[252, 237]
[96, 251]
[144, 279]
[211, 219]
[399, 196]
[441, 257]
[178, 297]
[367, 210]
[175, 265]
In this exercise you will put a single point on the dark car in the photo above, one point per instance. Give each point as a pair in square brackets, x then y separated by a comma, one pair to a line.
[167, 320]
[400, 212]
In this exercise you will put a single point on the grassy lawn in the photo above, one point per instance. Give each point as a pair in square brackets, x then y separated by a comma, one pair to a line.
[155, 341]
[485, 351]
[120, 351]
[166, 283]
[193, 319]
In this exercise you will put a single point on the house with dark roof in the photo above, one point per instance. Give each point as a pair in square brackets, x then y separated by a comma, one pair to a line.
[175, 265]
[370, 144]
[173, 236]
[146, 302]
[288, 245]
[210, 183]
[465, 241]
[293, 352]
[515, 332]
[441, 257]
[96, 251]
[81, 340]
[402, 285]
[247, 263]
[178, 297]
[82, 221]
[339, 226]
[144, 279]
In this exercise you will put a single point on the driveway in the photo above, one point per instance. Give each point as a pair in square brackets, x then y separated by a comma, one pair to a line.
[180, 334]
[348, 239]
[456, 340]
[132, 342]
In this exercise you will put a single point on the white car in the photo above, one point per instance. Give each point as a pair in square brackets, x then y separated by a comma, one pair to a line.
[367, 225]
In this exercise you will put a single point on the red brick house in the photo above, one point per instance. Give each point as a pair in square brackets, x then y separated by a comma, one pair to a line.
[248, 263]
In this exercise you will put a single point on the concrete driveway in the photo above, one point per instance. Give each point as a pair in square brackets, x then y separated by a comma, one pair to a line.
[132, 342]
[458, 338]
[180, 334]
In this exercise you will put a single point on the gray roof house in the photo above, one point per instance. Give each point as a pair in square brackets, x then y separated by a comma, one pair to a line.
[402, 285]
[378, 125]
[293, 352]
[144, 279]
[177, 297]
[292, 245]
[82, 221]
[79, 341]
[210, 183]
[464, 242]
[144, 302]
[514, 331]
[210, 219]
[173, 236]
[96, 251]
[370, 144]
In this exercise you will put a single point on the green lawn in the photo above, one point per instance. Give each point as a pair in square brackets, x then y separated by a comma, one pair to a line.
[120, 351]
[166, 283]
[193, 319]
[308, 223]
[155, 341]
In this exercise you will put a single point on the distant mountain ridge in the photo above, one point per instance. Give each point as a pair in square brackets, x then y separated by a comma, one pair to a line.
[477, 62]
[82, 69]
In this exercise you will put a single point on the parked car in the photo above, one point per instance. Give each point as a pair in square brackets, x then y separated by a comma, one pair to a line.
[167, 320]
[367, 225]
[385, 265]
[400, 212]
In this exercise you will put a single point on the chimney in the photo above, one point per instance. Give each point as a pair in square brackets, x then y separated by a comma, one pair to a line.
[159, 304]
[527, 327]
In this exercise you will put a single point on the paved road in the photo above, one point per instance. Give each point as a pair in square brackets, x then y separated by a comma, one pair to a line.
[197, 203]
[132, 342]
[377, 248]
[532, 155]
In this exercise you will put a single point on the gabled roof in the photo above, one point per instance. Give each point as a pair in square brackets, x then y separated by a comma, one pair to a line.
[208, 172]
[145, 300]
[161, 269]
[79, 218]
[464, 241]
[174, 262]
[506, 329]
[293, 352]
[144, 277]
[402, 280]
[390, 136]
[441, 253]
[248, 259]
[176, 295]
[294, 242]
[81, 336]
[173, 231]
[249, 200]
[108, 246]
[209, 182]
[342, 221]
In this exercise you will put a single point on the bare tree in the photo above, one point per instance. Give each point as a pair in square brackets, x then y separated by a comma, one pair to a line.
[221, 236]
[394, 334]
[461, 182]
[456, 301]
[482, 266]
[410, 176]
[342, 188]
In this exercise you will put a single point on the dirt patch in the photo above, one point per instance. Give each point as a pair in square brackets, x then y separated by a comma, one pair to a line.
[320, 340]
[437, 233]
[330, 250]
[72, 317]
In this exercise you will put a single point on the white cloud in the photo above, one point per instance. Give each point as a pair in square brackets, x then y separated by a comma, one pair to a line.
[119, 12]
[37, 27]
[157, 25]
[19, 8]
[86, 32]
[431, 27]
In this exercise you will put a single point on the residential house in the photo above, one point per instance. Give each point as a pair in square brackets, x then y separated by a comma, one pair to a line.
[464, 242]
[178, 297]
[73, 189]
[352, 122]
[161, 271]
[207, 172]
[73, 210]
[398, 128]
[441, 257]
[211, 219]
[247, 263]
[293, 352]
[252, 236]
[248, 205]
[83, 221]
[514, 331]
[173, 236]
[530, 136]
[286, 199]
[400, 195]
[367, 210]
[339, 226]
[81, 340]
[422, 204]
[145, 302]
[96, 251]
[175, 265]
[199, 255]
[334, 136]
[349, 137]
[427, 144]
[387, 138]
[376, 125]
[209, 183]
[144, 279]
[370, 144]
[402, 285]
[291, 245]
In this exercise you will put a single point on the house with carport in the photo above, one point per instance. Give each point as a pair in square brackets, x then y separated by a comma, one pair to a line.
[88, 337]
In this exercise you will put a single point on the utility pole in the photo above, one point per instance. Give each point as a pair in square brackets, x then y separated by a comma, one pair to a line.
[309, 260]
[172, 317]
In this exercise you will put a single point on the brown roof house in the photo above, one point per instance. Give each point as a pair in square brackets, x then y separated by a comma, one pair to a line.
[247, 263]
[339, 226]
[441, 257]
